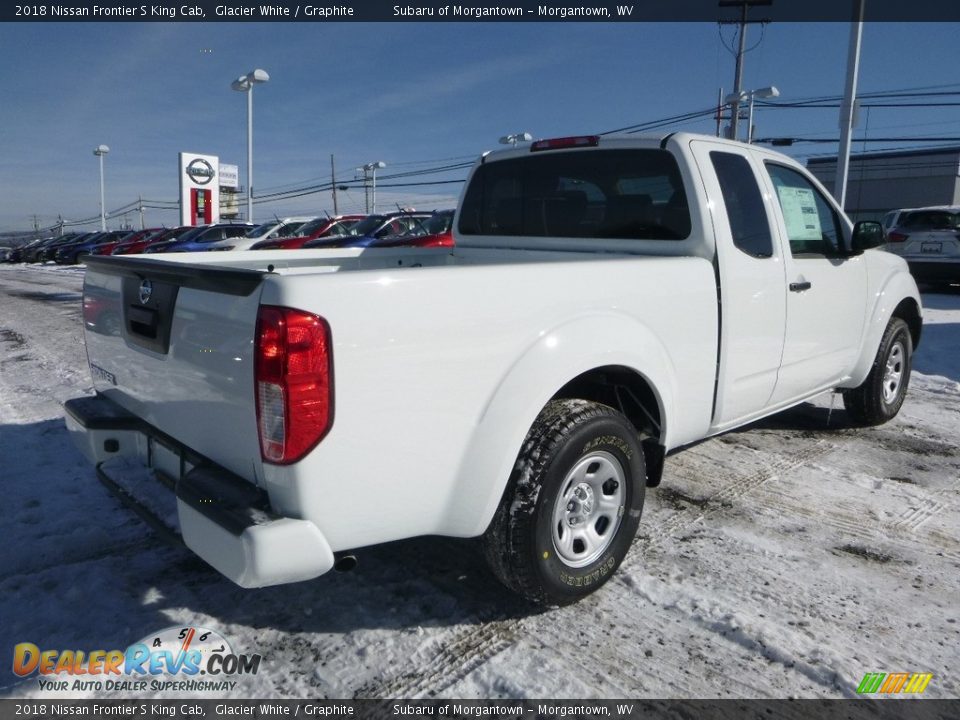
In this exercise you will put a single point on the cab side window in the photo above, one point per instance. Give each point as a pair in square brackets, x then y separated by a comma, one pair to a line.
[813, 228]
[748, 217]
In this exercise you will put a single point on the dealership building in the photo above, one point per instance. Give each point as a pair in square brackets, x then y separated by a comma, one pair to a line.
[882, 181]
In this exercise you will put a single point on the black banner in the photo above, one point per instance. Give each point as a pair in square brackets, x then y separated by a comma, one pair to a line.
[618, 11]
[912, 709]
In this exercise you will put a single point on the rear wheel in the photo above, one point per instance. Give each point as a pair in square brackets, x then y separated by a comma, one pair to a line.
[881, 395]
[573, 505]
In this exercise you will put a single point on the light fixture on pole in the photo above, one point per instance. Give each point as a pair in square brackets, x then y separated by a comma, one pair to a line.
[100, 151]
[370, 169]
[245, 83]
[515, 138]
[748, 96]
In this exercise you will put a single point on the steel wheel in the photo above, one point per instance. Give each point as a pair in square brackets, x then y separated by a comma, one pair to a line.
[893, 373]
[587, 512]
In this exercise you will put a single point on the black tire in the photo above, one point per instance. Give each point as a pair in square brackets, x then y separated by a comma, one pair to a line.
[881, 395]
[532, 542]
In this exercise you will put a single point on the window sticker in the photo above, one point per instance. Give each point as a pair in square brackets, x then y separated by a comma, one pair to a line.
[800, 213]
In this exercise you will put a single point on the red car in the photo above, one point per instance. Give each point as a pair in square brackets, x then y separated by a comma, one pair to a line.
[321, 227]
[138, 246]
[107, 248]
[437, 231]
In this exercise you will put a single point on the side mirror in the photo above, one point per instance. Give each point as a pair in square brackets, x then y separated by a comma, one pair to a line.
[866, 234]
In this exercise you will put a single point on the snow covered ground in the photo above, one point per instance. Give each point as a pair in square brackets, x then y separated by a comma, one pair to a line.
[785, 559]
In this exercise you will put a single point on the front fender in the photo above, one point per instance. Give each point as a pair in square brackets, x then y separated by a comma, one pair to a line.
[553, 358]
[895, 285]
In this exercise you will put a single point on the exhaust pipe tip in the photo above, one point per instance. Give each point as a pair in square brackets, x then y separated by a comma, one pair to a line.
[345, 563]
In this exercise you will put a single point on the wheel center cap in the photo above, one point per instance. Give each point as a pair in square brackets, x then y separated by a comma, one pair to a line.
[580, 506]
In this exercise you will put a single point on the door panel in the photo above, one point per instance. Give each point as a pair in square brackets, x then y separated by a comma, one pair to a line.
[826, 292]
[752, 296]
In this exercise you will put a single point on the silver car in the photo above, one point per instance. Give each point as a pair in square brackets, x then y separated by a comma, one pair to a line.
[929, 240]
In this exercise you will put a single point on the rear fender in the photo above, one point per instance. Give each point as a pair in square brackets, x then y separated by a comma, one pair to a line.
[555, 358]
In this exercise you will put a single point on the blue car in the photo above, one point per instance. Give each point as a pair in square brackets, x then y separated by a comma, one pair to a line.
[200, 238]
[373, 228]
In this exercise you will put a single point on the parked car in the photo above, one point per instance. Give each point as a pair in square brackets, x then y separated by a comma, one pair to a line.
[201, 238]
[76, 252]
[32, 251]
[373, 228]
[107, 248]
[929, 240]
[892, 218]
[138, 246]
[436, 231]
[18, 253]
[49, 250]
[278, 228]
[325, 227]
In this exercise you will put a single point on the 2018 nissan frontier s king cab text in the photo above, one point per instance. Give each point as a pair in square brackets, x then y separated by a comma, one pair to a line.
[608, 300]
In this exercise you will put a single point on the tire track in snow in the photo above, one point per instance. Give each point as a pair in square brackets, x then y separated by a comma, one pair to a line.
[847, 519]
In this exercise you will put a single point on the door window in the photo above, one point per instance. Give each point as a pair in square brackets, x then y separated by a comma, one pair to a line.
[813, 227]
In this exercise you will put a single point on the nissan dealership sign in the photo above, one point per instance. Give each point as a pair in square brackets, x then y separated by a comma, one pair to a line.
[200, 171]
[199, 189]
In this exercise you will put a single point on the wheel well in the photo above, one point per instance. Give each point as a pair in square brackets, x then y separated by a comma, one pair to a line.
[629, 392]
[909, 312]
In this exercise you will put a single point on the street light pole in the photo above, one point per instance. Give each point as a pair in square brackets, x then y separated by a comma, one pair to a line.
[100, 151]
[748, 96]
[767, 92]
[371, 169]
[245, 83]
[847, 106]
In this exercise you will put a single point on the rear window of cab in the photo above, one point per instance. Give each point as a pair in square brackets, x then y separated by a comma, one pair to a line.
[628, 194]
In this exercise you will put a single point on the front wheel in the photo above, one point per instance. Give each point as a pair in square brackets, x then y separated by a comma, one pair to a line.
[573, 505]
[880, 396]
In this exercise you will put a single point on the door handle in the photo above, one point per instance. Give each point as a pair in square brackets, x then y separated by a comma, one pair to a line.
[799, 286]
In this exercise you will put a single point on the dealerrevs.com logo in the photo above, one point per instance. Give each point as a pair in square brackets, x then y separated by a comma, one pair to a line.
[177, 658]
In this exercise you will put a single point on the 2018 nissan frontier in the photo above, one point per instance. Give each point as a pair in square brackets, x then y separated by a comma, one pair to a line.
[608, 300]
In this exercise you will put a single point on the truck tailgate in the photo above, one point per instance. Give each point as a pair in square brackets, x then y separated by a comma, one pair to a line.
[173, 343]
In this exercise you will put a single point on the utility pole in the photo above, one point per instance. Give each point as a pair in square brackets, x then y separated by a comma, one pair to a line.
[333, 185]
[719, 110]
[140, 208]
[744, 6]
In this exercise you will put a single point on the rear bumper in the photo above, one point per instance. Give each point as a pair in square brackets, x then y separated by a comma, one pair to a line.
[934, 271]
[221, 517]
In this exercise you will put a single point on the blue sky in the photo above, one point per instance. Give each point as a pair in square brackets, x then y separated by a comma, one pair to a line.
[411, 95]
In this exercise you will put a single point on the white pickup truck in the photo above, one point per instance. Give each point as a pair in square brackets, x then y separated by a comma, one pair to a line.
[608, 300]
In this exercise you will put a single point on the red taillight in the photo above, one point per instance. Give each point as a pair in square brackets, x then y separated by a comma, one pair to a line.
[293, 373]
[566, 142]
[89, 309]
[896, 237]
